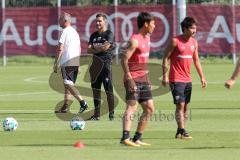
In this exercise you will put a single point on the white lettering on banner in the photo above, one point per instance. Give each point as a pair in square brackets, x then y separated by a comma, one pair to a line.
[238, 31]
[74, 21]
[9, 24]
[49, 32]
[167, 30]
[128, 25]
[10, 33]
[38, 40]
[220, 22]
[53, 28]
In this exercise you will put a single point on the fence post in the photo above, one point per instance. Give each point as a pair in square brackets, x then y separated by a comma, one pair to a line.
[3, 37]
[174, 17]
[116, 31]
[234, 57]
[181, 5]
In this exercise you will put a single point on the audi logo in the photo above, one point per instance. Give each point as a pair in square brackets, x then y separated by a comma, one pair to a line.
[127, 26]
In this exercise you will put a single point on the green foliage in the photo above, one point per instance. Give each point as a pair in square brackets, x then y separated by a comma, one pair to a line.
[50, 3]
[30, 3]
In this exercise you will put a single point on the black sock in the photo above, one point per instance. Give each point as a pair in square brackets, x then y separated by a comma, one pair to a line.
[125, 135]
[178, 130]
[137, 136]
[83, 103]
[181, 130]
[111, 113]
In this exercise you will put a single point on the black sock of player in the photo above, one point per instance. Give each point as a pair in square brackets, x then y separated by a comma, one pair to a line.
[83, 103]
[181, 130]
[137, 136]
[97, 103]
[125, 135]
[178, 130]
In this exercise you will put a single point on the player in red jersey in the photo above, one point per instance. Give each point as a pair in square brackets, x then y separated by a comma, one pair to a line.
[136, 80]
[182, 50]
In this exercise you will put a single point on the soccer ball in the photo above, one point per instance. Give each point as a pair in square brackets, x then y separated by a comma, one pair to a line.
[77, 124]
[10, 124]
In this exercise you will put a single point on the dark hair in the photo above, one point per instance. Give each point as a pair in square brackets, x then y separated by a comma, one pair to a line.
[187, 22]
[144, 17]
[101, 15]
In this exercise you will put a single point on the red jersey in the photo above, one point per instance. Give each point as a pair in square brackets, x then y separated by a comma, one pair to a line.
[181, 60]
[137, 63]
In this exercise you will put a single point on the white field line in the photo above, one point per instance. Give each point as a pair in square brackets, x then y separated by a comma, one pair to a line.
[27, 111]
[23, 94]
[36, 79]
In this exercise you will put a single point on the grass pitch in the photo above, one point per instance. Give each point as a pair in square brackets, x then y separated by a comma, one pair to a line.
[25, 95]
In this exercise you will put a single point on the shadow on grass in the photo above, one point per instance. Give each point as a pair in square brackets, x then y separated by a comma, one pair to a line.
[118, 146]
[159, 147]
[25, 113]
[211, 147]
[42, 145]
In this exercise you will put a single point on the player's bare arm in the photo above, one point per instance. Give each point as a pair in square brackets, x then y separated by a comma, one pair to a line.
[166, 57]
[98, 49]
[106, 45]
[57, 57]
[229, 83]
[199, 67]
[91, 50]
[124, 62]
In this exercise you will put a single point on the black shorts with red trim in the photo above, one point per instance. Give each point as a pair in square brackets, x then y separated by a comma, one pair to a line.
[143, 92]
[181, 92]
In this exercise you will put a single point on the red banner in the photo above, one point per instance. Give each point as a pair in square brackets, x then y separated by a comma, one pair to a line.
[35, 30]
[218, 30]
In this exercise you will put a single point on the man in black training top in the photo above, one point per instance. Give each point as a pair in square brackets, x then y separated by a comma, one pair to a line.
[101, 45]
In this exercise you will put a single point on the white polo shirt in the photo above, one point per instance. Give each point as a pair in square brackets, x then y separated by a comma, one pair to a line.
[71, 47]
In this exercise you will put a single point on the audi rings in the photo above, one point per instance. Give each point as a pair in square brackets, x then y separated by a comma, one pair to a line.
[127, 26]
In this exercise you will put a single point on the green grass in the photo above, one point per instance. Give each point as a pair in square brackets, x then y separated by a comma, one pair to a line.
[26, 96]
[33, 60]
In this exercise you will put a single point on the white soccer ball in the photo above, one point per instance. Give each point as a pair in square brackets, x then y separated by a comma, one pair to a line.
[10, 124]
[77, 124]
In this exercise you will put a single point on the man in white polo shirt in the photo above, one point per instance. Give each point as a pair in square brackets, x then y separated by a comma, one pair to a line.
[68, 57]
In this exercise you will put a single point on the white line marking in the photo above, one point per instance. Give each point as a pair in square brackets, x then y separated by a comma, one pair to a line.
[23, 94]
[27, 111]
[35, 79]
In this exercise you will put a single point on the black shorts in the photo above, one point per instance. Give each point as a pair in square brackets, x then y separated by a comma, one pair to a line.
[181, 92]
[69, 74]
[142, 94]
